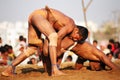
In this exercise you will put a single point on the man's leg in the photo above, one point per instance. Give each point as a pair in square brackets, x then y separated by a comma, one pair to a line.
[45, 47]
[9, 71]
[108, 62]
[46, 64]
[33, 41]
[102, 57]
[34, 36]
[53, 54]
[45, 27]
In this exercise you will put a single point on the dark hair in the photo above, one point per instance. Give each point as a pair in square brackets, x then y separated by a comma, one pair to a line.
[82, 32]
[69, 57]
[10, 47]
[117, 44]
[3, 49]
[21, 38]
[109, 46]
[0, 38]
[95, 41]
[111, 40]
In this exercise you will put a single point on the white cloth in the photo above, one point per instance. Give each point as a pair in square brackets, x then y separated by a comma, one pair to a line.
[68, 52]
[17, 49]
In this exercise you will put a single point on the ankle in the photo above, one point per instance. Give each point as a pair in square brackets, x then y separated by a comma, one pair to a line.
[13, 69]
[54, 67]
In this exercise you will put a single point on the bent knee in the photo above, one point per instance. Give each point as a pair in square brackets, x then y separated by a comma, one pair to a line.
[30, 51]
[53, 39]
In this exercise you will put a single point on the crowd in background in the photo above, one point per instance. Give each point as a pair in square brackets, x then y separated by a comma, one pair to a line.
[112, 49]
[8, 54]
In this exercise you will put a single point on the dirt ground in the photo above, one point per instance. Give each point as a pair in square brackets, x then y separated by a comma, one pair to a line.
[33, 72]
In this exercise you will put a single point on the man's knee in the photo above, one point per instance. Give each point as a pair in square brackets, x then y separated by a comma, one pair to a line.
[53, 39]
[30, 51]
[35, 42]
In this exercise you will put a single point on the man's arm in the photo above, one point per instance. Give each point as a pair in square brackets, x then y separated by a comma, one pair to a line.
[65, 44]
[105, 60]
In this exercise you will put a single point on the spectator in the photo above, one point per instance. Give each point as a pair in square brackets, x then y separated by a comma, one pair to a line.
[11, 54]
[4, 56]
[117, 49]
[104, 48]
[95, 43]
[32, 61]
[118, 55]
[111, 42]
[21, 45]
[68, 59]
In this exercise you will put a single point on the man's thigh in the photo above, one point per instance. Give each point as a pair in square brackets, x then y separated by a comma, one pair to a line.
[34, 36]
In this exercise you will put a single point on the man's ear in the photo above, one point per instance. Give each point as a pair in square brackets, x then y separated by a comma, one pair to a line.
[75, 29]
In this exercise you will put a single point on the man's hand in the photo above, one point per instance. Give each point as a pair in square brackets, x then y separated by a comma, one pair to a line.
[61, 52]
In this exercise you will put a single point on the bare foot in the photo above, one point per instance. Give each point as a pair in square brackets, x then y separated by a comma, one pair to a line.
[8, 72]
[57, 73]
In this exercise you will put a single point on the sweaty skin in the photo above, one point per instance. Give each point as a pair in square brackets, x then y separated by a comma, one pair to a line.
[89, 52]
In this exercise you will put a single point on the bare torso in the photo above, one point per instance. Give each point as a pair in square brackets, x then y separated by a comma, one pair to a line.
[61, 20]
[85, 50]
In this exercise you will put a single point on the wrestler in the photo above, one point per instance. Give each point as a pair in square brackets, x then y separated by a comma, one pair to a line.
[83, 34]
[86, 51]
[55, 26]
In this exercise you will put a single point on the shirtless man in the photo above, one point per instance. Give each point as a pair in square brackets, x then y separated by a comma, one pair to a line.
[88, 52]
[55, 26]
[83, 36]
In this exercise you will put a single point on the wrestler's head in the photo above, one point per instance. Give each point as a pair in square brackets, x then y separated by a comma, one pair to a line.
[83, 33]
[79, 34]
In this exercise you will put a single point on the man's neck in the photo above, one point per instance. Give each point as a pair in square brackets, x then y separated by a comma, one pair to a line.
[72, 42]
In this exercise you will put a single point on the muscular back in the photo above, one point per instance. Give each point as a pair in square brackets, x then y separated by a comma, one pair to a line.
[87, 51]
[55, 17]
